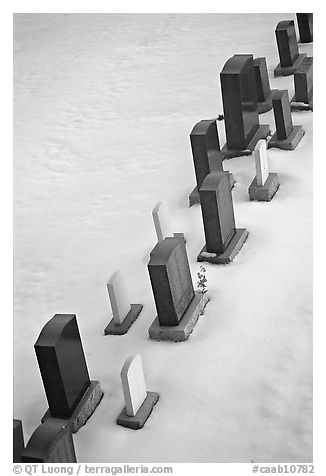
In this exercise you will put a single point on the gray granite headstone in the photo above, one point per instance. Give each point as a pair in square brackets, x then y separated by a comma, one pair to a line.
[287, 42]
[303, 81]
[223, 239]
[288, 50]
[217, 210]
[286, 136]
[305, 25]
[282, 113]
[205, 147]
[171, 280]
[51, 442]
[62, 364]
[239, 101]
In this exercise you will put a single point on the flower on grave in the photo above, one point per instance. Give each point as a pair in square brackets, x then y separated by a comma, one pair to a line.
[202, 280]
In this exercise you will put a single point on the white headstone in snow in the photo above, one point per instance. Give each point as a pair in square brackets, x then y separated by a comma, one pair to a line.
[119, 298]
[133, 384]
[162, 221]
[260, 154]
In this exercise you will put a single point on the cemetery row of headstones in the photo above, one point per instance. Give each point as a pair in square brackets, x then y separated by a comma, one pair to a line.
[72, 397]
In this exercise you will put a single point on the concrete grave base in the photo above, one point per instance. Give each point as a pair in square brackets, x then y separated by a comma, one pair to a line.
[121, 329]
[235, 245]
[301, 106]
[288, 70]
[194, 196]
[290, 142]
[267, 105]
[261, 133]
[138, 421]
[182, 331]
[266, 192]
[84, 410]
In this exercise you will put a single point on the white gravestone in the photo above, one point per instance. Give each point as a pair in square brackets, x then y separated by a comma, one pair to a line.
[119, 298]
[162, 221]
[133, 384]
[260, 154]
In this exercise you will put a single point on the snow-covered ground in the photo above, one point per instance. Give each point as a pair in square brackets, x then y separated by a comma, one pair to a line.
[103, 108]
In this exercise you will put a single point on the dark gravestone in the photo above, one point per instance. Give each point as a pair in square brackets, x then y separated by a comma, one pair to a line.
[239, 96]
[171, 280]
[286, 136]
[51, 442]
[64, 371]
[303, 86]
[223, 240]
[18, 441]
[305, 24]
[206, 154]
[288, 51]
[178, 306]
[264, 93]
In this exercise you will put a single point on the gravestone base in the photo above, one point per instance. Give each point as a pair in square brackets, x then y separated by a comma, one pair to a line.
[261, 133]
[265, 192]
[179, 235]
[84, 410]
[266, 105]
[138, 421]
[233, 248]
[194, 196]
[290, 142]
[302, 106]
[182, 331]
[288, 70]
[121, 329]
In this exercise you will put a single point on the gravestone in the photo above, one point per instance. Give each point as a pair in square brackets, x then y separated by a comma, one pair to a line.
[303, 86]
[124, 313]
[51, 442]
[265, 184]
[162, 223]
[305, 25]
[264, 93]
[70, 393]
[18, 440]
[239, 95]
[139, 403]
[223, 239]
[288, 51]
[286, 136]
[206, 153]
[178, 306]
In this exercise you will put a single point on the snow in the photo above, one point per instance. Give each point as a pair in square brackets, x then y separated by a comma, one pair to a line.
[103, 108]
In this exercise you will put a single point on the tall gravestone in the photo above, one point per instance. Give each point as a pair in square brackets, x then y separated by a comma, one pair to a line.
[139, 402]
[206, 153]
[70, 393]
[178, 305]
[287, 136]
[18, 440]
[124, 313]
[265, 184]
[305, 25]
[239, 95]
[303, 86]
[288, 51]
[264, 93]
[223, 239]
[51, 442]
